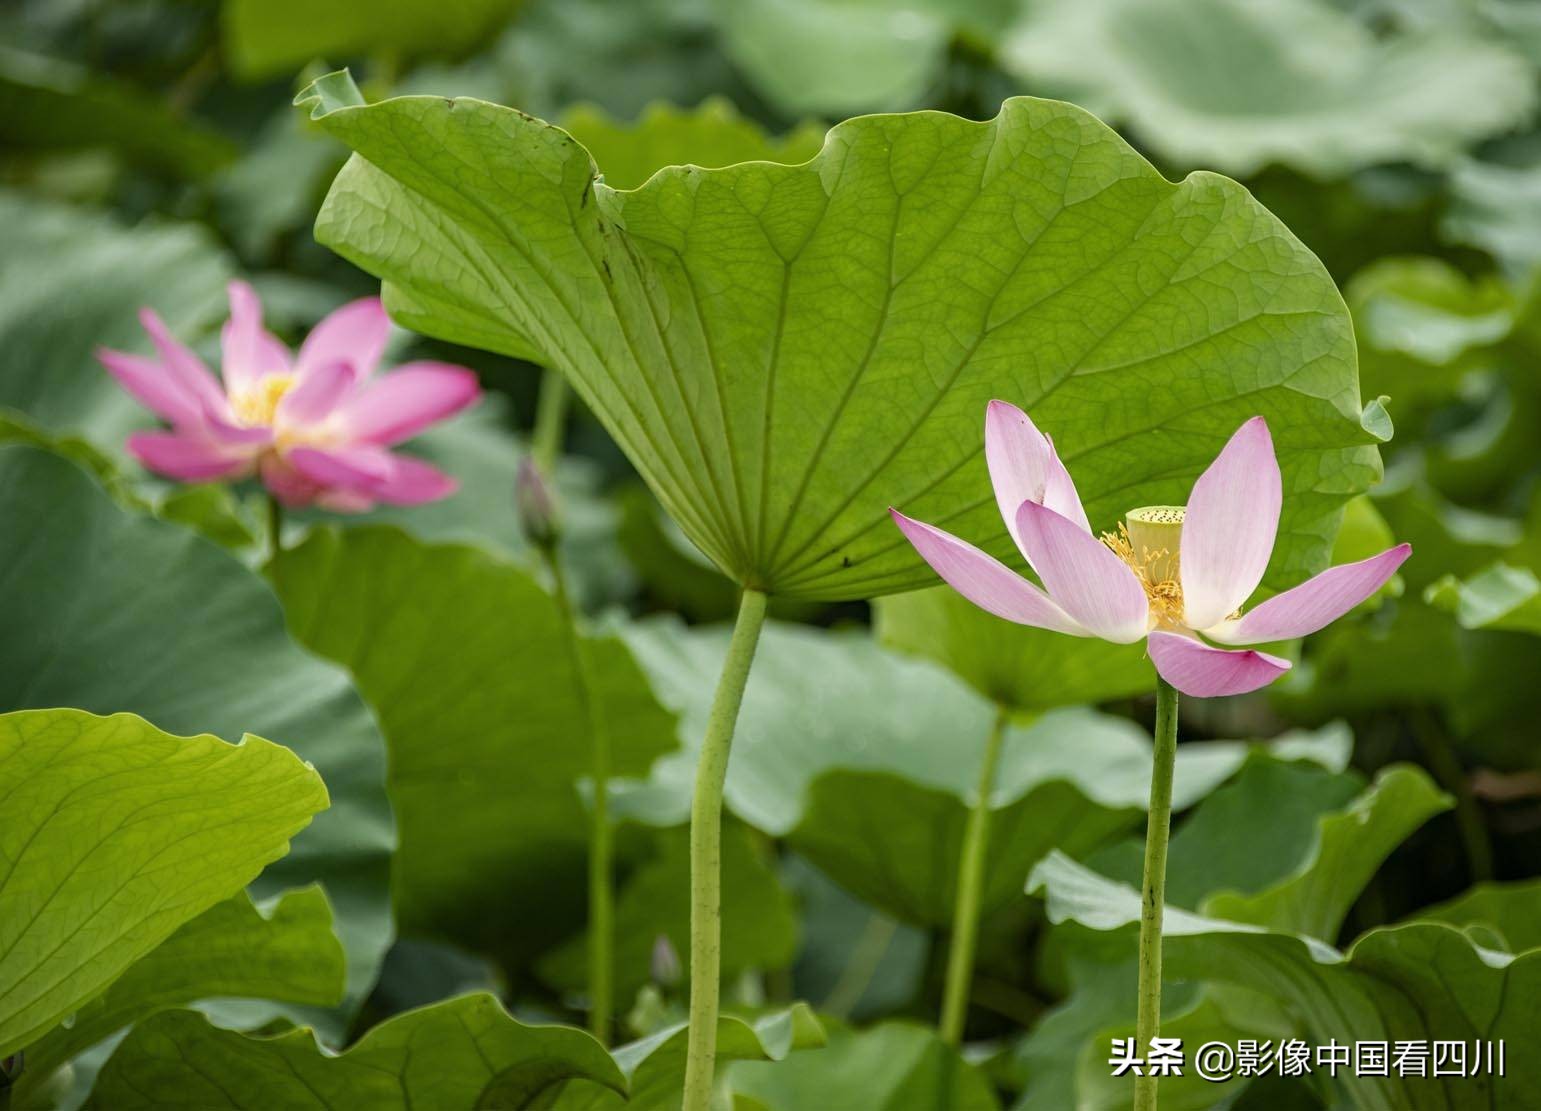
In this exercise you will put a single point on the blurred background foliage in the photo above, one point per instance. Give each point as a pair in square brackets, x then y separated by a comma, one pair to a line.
[150, 152]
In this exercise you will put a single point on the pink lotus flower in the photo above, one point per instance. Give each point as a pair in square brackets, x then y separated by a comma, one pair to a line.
[1172, 574]
[315, 426]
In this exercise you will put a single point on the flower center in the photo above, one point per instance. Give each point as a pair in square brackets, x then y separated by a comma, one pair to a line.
[258, 406]
[1148, 540]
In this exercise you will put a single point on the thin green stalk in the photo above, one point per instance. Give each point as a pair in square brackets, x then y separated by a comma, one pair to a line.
[1448, 772]
[275, 527]
[706, 853]
[1153, 890]
[601, 887]
[965, 911]
[550, 419]
[860, 966]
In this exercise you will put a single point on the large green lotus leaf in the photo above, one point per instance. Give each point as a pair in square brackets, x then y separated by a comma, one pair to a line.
[1504, 916]
[109, 610]
[1018, 666]
[463, 657]
[655, 1066]
[868, 762]
[113, 834]
[895, 1066]
[267, 37]
[710, 135]
[1421, 980]
[1239, 85]
[759, 921]
[232, 950]
[1499, 597]
[841, 57]
[786, 351]
[72, 280]
[46, 103]
[461, 1055]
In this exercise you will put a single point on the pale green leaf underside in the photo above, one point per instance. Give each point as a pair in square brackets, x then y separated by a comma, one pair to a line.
[1237, 85]
[112, 835]
[232, 950]
[786, 351]
[1421, 981]
[460, 1055]
[110, 610]
[1498, 597]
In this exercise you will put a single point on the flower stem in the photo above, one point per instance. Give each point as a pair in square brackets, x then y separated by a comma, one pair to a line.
[275, 527]
[1153, 890]
[601, 889]
[965, 911]
[550, 419]
[706, 852]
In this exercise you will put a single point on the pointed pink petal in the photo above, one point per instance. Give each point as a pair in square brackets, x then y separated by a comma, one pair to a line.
[185, 458]
[1089, 582]
[1024, 467]
[984, 580]
[1195, 668]
[355, 333]
[1229, 527]
[185, 367]
[152, 386]
[317, 394]
[249, 352]
[1315, 603]
[408, 399]
[373, 473]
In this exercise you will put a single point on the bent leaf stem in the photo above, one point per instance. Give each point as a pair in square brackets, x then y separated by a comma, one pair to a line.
[971, 867]
[706, 852]
[601, 889]
[1153, 889]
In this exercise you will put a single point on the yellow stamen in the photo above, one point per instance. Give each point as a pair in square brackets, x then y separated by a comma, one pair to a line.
[1149, 541]
[258, 406]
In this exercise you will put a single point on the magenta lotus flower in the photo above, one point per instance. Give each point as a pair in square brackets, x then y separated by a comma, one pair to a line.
[1176, 575]
[316, 427]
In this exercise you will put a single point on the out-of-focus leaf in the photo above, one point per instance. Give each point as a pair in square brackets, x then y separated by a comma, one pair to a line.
[46, 103]
[1504, 916]
[1500, 597]
[268, 37]
[759, 923]
[868, 763]
[72, 280]
[1419, 981]
[274, 188]
[1496, 203]
[232, 950]
[115, 835]
[1238, 85]
[460, 1055]
[655, 1066]
[841, 57]
[711, 135]
[1024, 668]
[894, 1066]
[463, 657]
[110, 610]
[785, 352]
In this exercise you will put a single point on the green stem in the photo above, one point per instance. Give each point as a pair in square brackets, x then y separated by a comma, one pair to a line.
[1448, 772]
[601, 889]
[706, 852]
[965, 911]
[1153, 890]
[860, 966]
[275, 527]
[550, 419]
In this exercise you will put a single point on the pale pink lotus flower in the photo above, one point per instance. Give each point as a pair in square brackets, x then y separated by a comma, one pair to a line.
[1176, 575]
[315, 426]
